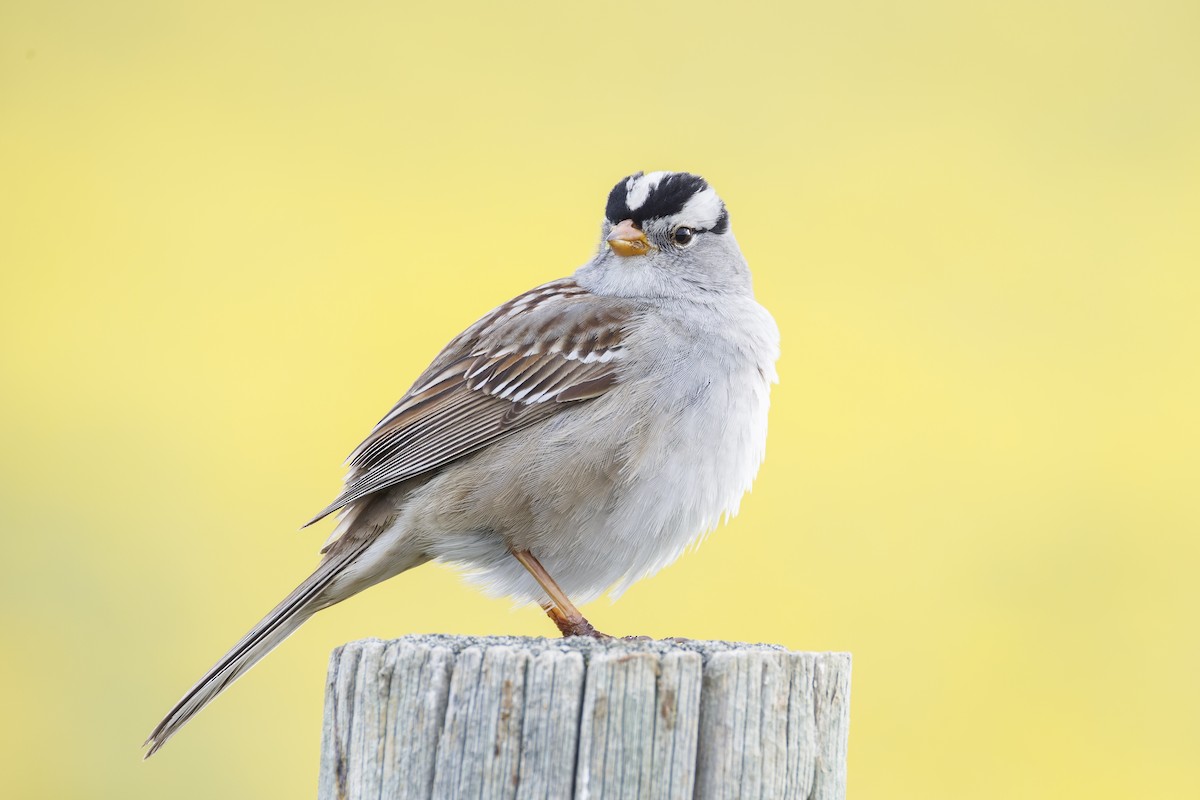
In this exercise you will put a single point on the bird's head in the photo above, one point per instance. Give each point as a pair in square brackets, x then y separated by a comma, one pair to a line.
[666, 234]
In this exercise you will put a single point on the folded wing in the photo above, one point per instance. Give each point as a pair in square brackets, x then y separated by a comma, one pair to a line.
[553, 346]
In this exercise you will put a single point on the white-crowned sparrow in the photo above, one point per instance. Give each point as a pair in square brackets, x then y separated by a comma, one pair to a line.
[589, 429]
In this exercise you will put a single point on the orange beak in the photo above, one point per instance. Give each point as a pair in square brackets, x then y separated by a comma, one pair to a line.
[626, 240]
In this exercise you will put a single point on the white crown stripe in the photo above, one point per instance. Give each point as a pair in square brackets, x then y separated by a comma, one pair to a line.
[638, 189]
[702, 209]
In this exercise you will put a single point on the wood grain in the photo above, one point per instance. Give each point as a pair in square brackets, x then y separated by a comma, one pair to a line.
[507, 717]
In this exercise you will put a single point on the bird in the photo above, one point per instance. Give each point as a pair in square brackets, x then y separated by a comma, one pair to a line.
[573, 440]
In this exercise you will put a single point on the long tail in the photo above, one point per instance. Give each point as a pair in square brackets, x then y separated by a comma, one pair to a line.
[282, 622]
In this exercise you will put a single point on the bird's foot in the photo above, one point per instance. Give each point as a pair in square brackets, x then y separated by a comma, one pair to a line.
[573, 624]
[580, 627]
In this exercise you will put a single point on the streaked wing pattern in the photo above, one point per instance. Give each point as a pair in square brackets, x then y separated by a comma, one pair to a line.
[531, 357]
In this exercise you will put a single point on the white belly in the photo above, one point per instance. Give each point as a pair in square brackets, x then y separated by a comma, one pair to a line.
[691, 472]
[612, 491]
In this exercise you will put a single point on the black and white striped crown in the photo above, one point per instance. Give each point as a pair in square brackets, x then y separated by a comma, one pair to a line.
[679, 196]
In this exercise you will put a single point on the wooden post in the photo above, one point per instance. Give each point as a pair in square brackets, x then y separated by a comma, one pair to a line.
[508, 717]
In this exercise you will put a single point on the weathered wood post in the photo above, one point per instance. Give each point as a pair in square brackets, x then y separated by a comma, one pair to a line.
[508, 717]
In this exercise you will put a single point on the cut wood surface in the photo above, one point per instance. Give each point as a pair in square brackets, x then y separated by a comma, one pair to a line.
[507, 717]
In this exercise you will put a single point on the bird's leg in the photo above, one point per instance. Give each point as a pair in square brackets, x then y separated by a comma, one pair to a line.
[560, 609]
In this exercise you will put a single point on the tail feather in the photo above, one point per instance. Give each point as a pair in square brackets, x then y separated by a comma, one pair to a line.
[264, 637]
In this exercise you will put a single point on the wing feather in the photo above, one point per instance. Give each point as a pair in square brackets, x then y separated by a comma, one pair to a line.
[555, 345]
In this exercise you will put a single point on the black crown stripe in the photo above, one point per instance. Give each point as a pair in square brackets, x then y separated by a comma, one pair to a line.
[666, 199]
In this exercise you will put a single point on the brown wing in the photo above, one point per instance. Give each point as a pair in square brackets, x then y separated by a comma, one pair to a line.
[552, 346]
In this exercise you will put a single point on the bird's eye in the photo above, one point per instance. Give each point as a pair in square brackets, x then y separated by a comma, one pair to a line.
[683, 235]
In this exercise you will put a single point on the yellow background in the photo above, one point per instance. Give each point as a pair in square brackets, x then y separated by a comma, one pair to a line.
[232, 233]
